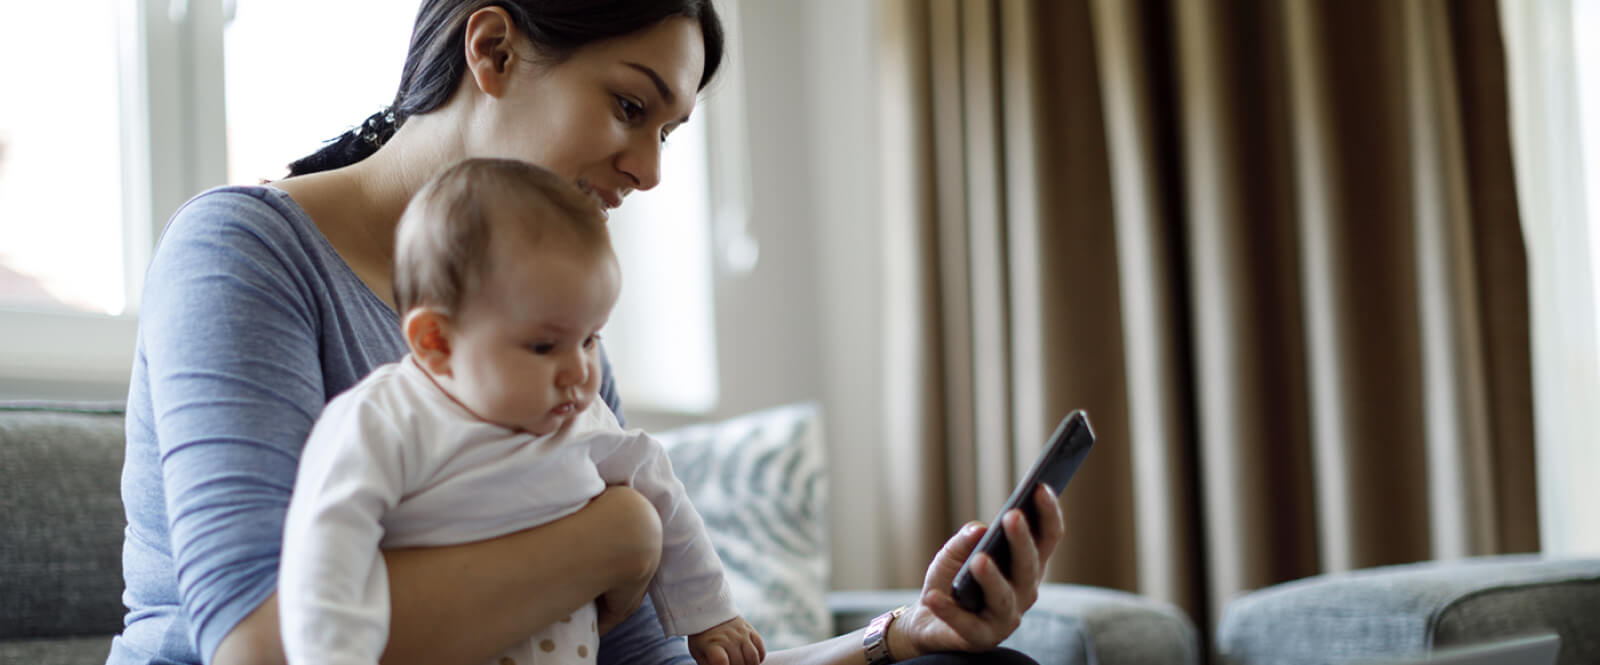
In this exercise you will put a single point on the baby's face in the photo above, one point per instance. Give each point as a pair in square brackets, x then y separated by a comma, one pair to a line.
[525, 350]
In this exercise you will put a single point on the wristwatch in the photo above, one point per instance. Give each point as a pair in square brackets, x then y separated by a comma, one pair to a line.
[876, 639]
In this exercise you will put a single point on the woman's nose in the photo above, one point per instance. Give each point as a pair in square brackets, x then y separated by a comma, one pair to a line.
[642, 162]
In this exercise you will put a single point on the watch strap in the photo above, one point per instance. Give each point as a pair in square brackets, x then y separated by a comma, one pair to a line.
[876, 640]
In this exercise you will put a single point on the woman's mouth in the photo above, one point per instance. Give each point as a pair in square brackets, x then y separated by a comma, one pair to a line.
[606, 199]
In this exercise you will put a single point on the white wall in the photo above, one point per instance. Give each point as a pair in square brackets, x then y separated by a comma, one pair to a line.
[805, 324]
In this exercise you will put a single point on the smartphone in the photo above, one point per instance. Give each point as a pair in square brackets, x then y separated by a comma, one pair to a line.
[1054, 467]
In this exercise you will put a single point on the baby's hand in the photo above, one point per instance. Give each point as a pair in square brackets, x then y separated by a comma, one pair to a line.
[732, 642]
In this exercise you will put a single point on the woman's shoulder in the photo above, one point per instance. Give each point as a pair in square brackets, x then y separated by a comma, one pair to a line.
[238, 205]
[247, 222]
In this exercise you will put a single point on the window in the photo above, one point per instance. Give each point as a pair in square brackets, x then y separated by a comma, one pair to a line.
[283, 101]
[1553, 65]
[661, 334]
[171, 97]
[61, 224]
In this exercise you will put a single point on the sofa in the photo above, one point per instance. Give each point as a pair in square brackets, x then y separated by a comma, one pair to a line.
[1411, 611]
[61, 526]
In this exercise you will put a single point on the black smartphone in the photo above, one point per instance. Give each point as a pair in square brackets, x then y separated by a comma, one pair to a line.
[1054, 467]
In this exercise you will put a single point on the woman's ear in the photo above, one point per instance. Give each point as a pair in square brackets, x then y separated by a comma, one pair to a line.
[490, 54]
[427, 332]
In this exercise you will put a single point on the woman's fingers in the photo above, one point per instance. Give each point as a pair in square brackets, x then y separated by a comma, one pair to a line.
[1051, 524]
[973, 630]
[1025, 565]
[950, 557]
[1000, 594]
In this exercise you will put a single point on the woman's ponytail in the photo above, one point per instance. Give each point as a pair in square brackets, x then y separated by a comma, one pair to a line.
[349, 147]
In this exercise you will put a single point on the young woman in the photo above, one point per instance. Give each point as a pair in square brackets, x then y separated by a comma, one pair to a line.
[262, 303]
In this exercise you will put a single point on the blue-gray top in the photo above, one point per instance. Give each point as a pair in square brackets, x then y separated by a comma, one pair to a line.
[249, 324]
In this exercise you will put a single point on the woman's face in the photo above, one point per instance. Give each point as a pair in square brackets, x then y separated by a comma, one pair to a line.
[599, 118]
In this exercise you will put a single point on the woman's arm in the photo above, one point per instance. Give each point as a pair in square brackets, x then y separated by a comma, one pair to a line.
[465, 603]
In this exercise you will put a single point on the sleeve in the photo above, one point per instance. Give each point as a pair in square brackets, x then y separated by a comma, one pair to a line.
[232, 355]
[638, 640]
[608, 388]
[333, 588]
[689, 591]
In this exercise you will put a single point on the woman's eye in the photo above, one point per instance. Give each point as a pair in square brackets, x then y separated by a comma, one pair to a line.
[542, 348]
[631, 110]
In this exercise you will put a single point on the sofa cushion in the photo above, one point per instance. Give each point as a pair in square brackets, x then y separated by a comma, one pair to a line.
[63, 651]
[1412, 610]
[758, 481]
[61, 530]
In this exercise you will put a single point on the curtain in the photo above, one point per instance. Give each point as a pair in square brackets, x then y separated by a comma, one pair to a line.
[1270, 246]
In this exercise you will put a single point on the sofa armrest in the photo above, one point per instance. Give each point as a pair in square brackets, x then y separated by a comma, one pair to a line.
[1411, 610]
[1069, 625]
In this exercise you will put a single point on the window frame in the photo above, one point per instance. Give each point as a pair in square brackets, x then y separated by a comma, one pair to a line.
[170, 94]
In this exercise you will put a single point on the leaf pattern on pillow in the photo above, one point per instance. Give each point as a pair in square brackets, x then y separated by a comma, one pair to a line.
[759, 482]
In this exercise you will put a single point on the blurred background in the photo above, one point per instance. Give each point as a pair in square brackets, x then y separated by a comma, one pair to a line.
[1323, 273]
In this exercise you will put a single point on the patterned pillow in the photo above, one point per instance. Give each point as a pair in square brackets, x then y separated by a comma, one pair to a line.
[759, 482]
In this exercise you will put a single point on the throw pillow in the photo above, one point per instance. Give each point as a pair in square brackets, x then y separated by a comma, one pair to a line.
[758, 481]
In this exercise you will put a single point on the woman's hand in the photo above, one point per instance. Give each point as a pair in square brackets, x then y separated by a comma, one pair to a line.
[936, 623]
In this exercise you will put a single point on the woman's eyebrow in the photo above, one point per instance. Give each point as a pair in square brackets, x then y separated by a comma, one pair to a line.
[661, 86]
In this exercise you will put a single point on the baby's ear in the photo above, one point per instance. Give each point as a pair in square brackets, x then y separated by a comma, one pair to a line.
[427, 332]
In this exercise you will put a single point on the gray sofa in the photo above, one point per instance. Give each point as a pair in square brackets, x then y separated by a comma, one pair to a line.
[1410, 611]
[61, 540]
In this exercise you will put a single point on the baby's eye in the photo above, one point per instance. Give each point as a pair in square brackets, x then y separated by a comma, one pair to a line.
[590, 341]
[542, 348]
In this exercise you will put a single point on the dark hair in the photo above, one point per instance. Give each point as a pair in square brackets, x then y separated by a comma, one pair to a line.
[442, 244]
[558, 28]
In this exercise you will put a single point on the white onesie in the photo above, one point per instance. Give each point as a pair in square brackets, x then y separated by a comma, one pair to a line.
[395, 462]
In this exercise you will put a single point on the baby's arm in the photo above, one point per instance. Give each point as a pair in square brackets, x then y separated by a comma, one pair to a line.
[689, 591]
[732, 642]
[333, 587]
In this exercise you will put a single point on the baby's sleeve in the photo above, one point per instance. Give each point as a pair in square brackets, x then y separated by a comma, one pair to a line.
[689, 591]
[333, 588]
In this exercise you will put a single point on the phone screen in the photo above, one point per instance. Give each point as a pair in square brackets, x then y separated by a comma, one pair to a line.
[1067, 448]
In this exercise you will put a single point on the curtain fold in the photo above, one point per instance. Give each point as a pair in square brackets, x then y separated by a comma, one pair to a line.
[1271, 246]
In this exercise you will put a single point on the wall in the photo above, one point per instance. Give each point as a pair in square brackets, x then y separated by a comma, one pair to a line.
[806, 323]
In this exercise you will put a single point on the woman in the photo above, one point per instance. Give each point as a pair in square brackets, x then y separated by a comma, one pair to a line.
[264, 302]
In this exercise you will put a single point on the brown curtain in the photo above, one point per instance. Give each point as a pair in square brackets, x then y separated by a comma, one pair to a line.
[1271, 246]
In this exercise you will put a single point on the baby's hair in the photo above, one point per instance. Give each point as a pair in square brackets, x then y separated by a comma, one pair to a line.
[442, 244]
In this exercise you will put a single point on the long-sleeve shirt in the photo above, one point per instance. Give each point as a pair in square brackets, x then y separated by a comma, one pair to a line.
[395, 462]
[249, 324]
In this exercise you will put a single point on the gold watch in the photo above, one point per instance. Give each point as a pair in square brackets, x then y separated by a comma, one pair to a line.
[876, 639]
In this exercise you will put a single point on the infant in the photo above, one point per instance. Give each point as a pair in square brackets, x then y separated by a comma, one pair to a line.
[504, 275]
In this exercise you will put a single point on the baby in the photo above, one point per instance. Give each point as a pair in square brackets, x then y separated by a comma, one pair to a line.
[504, 275]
